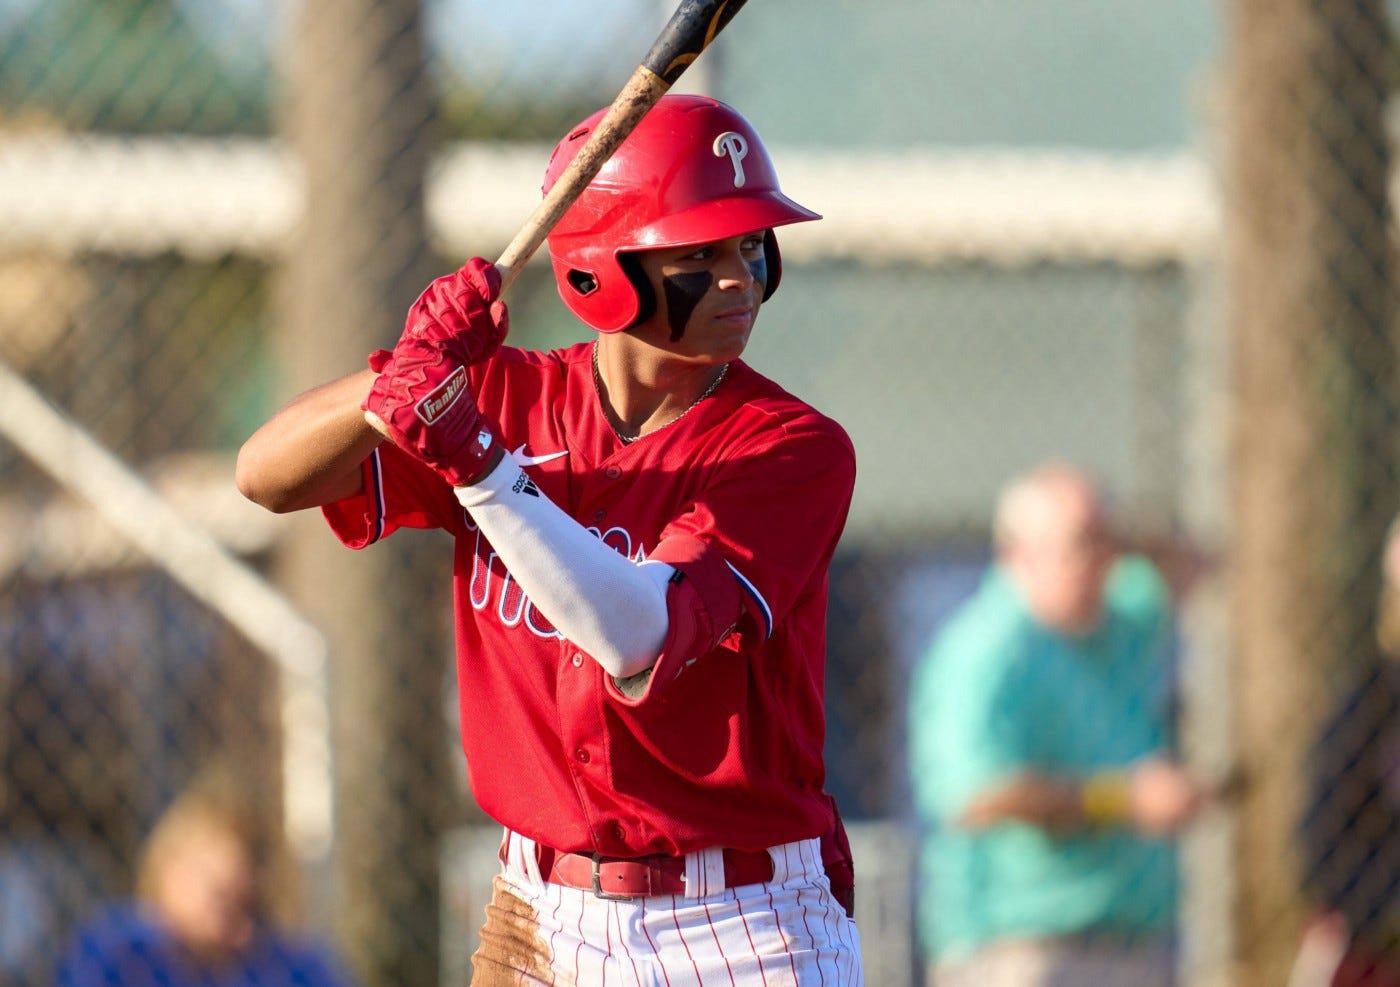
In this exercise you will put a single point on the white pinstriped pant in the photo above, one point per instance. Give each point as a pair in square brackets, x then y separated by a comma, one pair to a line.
[789, 931]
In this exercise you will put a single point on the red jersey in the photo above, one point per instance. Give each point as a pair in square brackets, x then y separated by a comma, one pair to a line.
[730, 754]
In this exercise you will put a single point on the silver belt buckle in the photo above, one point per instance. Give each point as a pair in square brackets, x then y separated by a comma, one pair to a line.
[598, 891]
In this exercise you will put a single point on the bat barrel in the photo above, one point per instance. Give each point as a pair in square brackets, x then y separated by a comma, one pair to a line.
[689, 32]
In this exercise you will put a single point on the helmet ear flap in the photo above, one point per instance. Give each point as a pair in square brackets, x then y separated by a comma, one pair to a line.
[773, 260]
[631, 266]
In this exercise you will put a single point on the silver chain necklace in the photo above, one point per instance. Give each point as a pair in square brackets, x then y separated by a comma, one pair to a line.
[629, 439]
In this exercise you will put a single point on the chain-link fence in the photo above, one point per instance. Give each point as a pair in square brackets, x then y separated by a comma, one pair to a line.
[207, 206]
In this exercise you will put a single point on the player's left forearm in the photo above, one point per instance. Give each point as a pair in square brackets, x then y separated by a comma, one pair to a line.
[611, 607]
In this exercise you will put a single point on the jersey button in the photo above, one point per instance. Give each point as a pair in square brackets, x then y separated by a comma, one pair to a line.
[581, 756]
[577, 659]
[619, 832]
[612, 472]
[599, 514]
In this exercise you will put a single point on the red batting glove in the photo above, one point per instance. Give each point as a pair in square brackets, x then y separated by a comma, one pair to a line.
[422, 401]
[461, 312]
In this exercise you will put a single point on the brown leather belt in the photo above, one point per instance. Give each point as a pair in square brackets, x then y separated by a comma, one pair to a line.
[624, 878]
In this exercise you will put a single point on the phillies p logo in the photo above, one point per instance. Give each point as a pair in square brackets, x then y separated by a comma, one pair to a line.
[736, 148]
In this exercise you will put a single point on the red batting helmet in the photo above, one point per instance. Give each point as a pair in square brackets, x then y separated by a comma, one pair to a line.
[693, 171]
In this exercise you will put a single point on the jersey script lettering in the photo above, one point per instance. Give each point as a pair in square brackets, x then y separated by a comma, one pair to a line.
[491, 579]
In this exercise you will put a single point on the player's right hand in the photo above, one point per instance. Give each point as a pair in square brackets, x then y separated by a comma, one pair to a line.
[422, 401]
[462, 313]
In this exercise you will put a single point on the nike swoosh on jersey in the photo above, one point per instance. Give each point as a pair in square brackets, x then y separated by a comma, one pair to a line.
[525, 460]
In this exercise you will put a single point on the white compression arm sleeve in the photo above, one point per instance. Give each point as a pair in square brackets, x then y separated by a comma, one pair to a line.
[610, 606]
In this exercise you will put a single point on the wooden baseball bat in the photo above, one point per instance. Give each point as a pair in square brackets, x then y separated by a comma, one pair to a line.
[689, 32]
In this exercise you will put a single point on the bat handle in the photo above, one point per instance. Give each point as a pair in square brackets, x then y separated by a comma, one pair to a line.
[632, 103]
[688, 33]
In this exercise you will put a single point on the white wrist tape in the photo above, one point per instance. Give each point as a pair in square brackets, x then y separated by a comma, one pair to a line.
[609, 606]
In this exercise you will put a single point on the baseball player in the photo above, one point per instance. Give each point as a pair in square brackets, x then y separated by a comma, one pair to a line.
[643, 528]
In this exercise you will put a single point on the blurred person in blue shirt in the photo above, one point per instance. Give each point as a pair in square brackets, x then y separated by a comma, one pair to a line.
[1040, 744]
[203, 914]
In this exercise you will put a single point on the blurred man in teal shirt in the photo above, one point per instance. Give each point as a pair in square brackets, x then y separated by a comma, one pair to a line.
[1040, 744]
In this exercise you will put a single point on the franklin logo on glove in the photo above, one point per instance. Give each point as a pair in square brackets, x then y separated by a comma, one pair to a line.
[441, 398]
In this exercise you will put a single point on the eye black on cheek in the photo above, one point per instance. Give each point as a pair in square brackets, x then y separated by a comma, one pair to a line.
[684, 292]
[759, 269]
